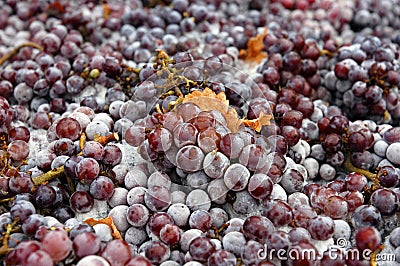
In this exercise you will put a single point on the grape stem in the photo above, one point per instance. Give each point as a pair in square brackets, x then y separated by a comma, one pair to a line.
[6, 200]
[48, 176]
[16, 50]
[350, 167]
[4, 249]
[59, 172]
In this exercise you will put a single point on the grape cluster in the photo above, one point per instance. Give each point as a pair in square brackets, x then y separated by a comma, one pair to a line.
[199, 132]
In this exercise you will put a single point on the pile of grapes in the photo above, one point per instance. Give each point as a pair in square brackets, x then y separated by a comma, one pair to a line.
[199, 132]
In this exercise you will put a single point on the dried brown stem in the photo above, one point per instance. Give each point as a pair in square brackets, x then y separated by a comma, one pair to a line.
[349, 166]
[48, 176]
[10, 54]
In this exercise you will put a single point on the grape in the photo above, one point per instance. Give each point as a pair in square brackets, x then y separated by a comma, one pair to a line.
[23, 93]
[253, 157]
[86, 244]
[368, 238]
[136, 195]
[32, 223]
[321, 228]
[392, 135]
[93, 149]
[190, 158]
[180, 213]
[302, 215]
[392, 151]
[222, 257]
[157, 252]
[185, 134]
[385, 200]
[135, 235]
[70, 165]
[135, 179]
[158, 221]
[81, 201]
[39, 258]
[215, 164]
[102, 188]
[157, 198]
[336, 207]
[87, 169]
[93, 260]
[319, 196]
[117, 252]
[234, 242]
[278, 212]
[64, 146]
[298, 198]
[236, 177]
[112, 155]
[299, 234]
[171, 120]
[208, 139]
[159, 179]
[63, 213]
[21, 183]
[260, 186]
[279, 240]
[68, 128]
[257, 228]
[57, 244]
[355, 181]
[96, 127]
[22, 209]
[231, 145]
[388, 176]
[170, 234]
[292, 181]
[138, 260]
[135, 135]
[250, 252]
[45, 196]
[197, 180]
[187, 237]
[354, 200]
[300, 248]
[198, 199]
[22, 252]
[201, 248]
[137, 215]
[118, 214]
[330, 85]
[201, 220]
[18, 149]
[367, 216]
[160, 140]
[291, 134]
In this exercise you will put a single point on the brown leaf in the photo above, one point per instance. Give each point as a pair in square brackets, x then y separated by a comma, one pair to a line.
[108, 221]
[207, 100]
[254, 53]
[256, 124]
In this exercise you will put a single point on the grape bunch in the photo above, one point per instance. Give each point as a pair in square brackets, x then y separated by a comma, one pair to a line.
[201, 132]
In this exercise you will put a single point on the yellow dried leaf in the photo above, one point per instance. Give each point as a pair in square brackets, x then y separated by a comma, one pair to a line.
[207, 100]
[256, 124]
[254, 53]
[108, 221]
